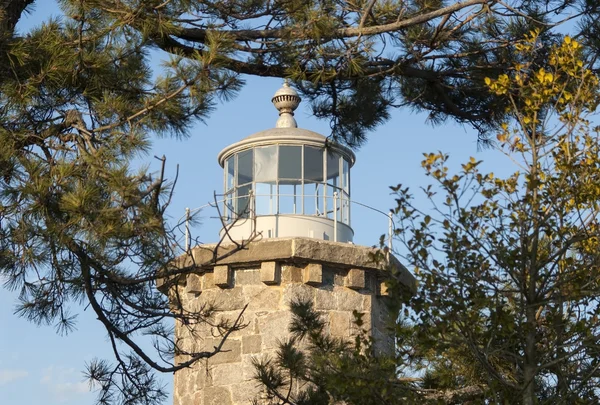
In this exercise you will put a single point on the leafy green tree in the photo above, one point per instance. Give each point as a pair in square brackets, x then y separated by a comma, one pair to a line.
[79, 100]
[508, 269]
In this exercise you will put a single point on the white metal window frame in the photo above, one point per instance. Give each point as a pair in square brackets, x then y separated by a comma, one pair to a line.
[231, 209]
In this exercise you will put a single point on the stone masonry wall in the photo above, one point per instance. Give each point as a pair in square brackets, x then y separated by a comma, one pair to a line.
[267, 288]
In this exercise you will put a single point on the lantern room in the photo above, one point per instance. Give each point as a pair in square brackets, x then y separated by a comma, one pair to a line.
[287, 181]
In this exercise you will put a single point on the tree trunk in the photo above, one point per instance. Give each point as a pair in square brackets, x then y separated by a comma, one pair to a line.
[529, 368]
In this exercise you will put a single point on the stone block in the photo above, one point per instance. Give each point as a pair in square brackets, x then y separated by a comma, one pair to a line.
[226, 319]
[199, 377]
[248, 368]
[222, 276]
[274, 328]
[163, 284]
[217, 396]
[226, 374]
[193, 284]
[349, 300]
[291, 274]
[263, 298]
[325, 299]
[246, 392]
[355, 279]
[313, 274]
[198, 398]
[224, 300]
[177, 298]
[270, 272]
[339, 323]
[295, 292]
[209, 281]
[383, 289]
[231, 351]
[249, 276]
[251, 344]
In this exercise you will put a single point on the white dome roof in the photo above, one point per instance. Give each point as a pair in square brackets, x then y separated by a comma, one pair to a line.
[273, 136]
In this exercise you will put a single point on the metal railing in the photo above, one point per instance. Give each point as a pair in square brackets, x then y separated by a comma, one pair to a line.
[249, 212]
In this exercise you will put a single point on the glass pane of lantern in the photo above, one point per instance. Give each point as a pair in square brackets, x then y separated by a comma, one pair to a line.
[243, 200]
[289, 198]
[265, 163]
[329, 203]
[333, 169]
[290, 162]
[313, 164]
[266, 198]
[346, 176]
[345, 208]
[229, 173]
[244, 167]
[313, 199]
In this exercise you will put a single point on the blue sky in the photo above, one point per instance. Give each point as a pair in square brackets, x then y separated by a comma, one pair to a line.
[37, 366]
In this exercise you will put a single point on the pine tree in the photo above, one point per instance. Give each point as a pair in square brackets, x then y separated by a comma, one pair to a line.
[79, 100]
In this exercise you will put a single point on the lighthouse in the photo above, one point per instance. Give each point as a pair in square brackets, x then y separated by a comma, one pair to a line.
[287, 181]
[286, 235]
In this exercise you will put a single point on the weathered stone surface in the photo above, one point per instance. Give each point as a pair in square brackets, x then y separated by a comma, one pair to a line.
[198, 379]
[313, 274]
[274, 328]
[256, 252]
[293, 292]
[209, 280]
[217, 396]
[349, 300]
[198, 398]
[341, 255]
[251, 344]
[325, 299]
[291, 274]
[248, 368]
[245, 392]
[193, 284]
[383, 289]
[284, 248]
[263, 298]
[231, 351]
[226, 374]
[267, 275]
[339, 323]
[339, 279]
[222, 275]
[247, 276]
[187, 399]
[355, 279]
[227, 318]
[224, 300]
[270, 272]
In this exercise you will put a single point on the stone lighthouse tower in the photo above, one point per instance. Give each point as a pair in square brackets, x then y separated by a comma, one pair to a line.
[286, 235]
